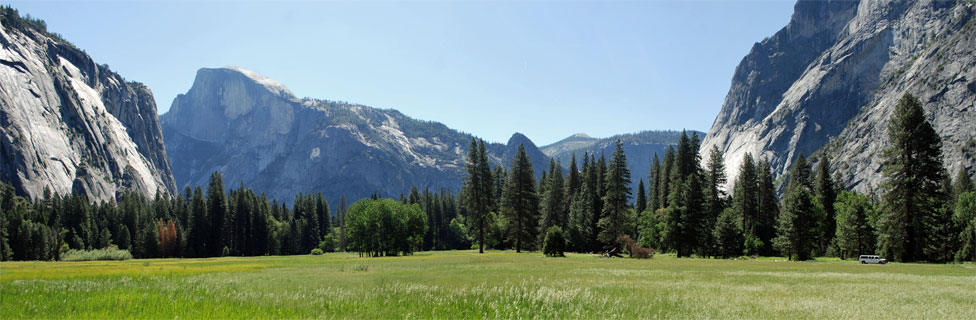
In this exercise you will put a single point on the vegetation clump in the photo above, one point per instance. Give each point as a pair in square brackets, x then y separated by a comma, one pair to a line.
[555, 242]
[110, 253]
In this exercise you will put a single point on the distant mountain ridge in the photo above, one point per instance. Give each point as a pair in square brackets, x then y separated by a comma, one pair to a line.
[255, 131]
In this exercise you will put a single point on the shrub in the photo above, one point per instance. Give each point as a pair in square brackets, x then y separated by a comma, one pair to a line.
[316, 252]
[555, 243]
[634, 249]
[110, 253]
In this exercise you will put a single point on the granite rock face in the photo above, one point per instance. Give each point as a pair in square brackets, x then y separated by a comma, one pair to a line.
[256, 132]
[70, 125]
[829, 81]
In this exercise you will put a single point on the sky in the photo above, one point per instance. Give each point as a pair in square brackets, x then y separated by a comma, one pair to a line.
[547, 69]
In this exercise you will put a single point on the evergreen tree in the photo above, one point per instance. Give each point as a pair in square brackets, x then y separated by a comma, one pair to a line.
[768, 208]
[573, 181]
[963, 183]
[479, 190]
[613, 221]
[728, 234]
[826, 194]
[854, 234]
[654, 197]
[520, 201]
[582, 211]
[913, 174]
[965, 217]
[746, 201]
[684, 218]
[200, 230]
[217, 210]
[664, 179]
[640, 202]
[552, 200]
[797, 226]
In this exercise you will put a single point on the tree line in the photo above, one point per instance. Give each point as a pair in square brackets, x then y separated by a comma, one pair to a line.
[920, 215]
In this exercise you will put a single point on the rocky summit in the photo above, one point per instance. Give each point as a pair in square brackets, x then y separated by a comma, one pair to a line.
[828, 82]
[256, 132]
[69, 125]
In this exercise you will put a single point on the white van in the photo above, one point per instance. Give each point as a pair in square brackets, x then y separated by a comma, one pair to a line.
[865, 259]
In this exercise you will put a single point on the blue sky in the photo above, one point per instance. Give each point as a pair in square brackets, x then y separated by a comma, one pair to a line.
[544, 68]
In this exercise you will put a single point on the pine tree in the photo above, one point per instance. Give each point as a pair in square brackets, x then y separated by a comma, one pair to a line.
[200, 230]
[963, 183]
[520, 201]
[613, 221]
[745, 201]
[684, 219]
[768, 208]
[826, 194]
[552, 200]
[573, 181]
[728, 234]
[664, 179]
[478, 189]
[913, 174]
[965, 217]
[654, 197]
[854, 234]
[797, 225]
[581, 213]
[640, 205]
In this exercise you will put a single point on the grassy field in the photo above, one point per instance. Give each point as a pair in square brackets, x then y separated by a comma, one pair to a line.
[464, 284]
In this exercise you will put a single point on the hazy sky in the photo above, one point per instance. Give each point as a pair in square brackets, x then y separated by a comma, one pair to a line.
[547, 69]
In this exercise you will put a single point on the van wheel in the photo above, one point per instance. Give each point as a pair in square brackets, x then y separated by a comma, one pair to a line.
[864, 262]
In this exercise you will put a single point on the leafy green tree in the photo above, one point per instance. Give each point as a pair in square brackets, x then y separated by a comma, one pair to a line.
[854, 233]
[797, 228]
[385, 227]
[520, 202]
[913, 174]
[613, 222]
[728, 234]
[554, 244]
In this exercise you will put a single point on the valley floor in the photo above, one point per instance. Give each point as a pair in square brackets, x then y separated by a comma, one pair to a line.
[464, 284]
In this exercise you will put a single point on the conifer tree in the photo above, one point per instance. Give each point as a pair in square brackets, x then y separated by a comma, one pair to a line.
[520, 201]
[613, 221]
[581, 211]
[962, 184]
[715, 198]
[826, 194]
[664, 179]
[913, 174]
[965, 217]
[640, 200]
[854, 234]
[217, 209]
[728, 234]
[797, 226]
[573, 181]
[654, 176]
[684, 219]
[552, 200]
[479, 190]
[200, 230]
[768, 208]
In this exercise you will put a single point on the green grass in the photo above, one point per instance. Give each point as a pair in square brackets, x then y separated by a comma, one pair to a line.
[464, 284]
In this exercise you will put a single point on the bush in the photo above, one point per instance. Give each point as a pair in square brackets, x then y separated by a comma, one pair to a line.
[317, 252]
[555, 243]
[634, 249]
[110, 253]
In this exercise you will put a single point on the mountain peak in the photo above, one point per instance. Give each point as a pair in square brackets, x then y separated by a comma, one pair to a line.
[272, 86]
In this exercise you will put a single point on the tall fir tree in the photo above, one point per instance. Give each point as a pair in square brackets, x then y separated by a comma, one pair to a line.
[854, 234]
[478, 190]
[797, 228]
[715, 197]
[654, 175]
[745, 201]
[520, 201]
[217, 210]
[614, 219]
[552, 204]
[768, 208]
[573, 181]
[664, 178]
[962, 183]
[826, 193]
[913, 175]
[581, 211]
[684, 219]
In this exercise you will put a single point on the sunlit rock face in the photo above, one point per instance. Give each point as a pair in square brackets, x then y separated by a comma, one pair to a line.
[70, 125]
[830, 79]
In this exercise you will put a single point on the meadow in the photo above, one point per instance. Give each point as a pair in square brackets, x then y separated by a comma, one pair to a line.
[497, 284]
